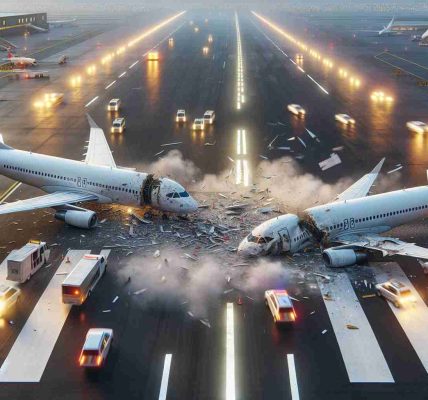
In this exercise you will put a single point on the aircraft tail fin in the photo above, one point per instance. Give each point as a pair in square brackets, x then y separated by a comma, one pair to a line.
[9, 53]
[3, 146]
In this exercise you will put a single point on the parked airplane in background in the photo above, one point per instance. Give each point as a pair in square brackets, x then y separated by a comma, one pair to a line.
[96, 179]
[346, 228]
[387, 30]
[397, 28]
[20, 61]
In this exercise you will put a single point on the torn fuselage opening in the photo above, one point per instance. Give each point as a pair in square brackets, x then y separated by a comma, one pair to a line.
[309, 223]
[150, 190]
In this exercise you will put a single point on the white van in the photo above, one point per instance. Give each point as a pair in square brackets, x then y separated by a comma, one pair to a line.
[81, 281]
[22, 264]
[114, 105]
[96, 347]
[209, 117]
[118, 125]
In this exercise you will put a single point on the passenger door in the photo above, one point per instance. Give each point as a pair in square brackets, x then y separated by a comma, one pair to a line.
[285, 242]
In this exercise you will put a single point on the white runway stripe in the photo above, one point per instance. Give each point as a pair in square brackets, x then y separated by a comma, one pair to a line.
[165, 377]
[413, 318]
[293, 377]
[30, 353]
[362, 356]
[230, 353]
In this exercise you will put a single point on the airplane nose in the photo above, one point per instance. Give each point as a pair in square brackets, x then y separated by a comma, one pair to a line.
[193, 204]
[247, 249]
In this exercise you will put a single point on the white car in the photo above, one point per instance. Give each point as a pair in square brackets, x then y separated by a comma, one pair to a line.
[96, 347]
[181, 116]
[209, 117]
[296, 109]
[417, 126]
[395, 292]
[344, 119]
[8, 297]
[114, 105]
[118, 125]
[198, 124]
[280, 306]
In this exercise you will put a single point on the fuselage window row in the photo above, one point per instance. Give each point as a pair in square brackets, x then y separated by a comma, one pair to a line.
[69, 179]
[373, 217]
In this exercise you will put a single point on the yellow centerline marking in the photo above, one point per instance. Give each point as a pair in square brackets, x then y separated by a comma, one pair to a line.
[9, 191]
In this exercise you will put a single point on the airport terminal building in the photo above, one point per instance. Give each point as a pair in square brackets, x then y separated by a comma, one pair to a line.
[11, 23]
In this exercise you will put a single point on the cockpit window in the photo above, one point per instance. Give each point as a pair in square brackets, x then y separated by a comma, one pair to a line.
[170, 195]
[174, 195]
[268, 239]
[184, 194]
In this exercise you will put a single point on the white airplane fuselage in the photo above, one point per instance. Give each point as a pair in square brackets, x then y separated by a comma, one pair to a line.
[372, 214]
[375, 214]
[24, 61]
[110, 185]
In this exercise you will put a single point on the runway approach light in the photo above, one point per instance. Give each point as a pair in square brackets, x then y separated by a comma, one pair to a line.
[91, 70]
[381, 97]
[210, 38]
[196, 29]
[205, 50]
[171, 42]
[153, 56]
[75, 80]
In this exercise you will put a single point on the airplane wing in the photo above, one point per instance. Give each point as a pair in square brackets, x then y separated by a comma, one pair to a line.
[362, 186]
[47, 201]
[99, 152]
[388, 246]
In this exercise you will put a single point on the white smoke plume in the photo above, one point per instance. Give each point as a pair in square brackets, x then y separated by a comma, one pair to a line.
[283, 178]
[180, 282]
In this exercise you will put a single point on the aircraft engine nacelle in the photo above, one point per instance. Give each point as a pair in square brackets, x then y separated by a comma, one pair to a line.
[337, 258]
[80, 219]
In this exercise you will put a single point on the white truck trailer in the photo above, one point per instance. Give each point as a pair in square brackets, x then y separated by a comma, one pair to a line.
[26, 261]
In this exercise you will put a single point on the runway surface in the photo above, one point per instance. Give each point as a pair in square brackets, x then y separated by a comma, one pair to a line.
[206, 344]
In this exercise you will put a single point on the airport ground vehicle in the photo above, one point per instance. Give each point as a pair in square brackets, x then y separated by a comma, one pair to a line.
[417, 126]
[344, 119]
[118, 125]
[198, 124]
[395, 292]
[153, 56]
[96, 347]
[8, 297]
[81, 281]
[209, 117]
[296, 109]
[280, 306]
[114, 105]
[181, 116]
[26, 261]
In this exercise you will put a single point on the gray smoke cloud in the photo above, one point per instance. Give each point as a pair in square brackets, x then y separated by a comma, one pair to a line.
[180, 282]
[283, 178]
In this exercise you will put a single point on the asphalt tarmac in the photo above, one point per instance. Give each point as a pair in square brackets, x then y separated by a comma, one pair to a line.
[149, 327]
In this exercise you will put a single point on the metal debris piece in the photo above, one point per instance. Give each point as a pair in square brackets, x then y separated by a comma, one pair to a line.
[324, 331]
[105, 311]
[115, 299]
[350, 326]
[367, 296]
[170, 144]
[137, 292]
[156, 254]
[395, 169]
[330, 162]
[205, 322]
